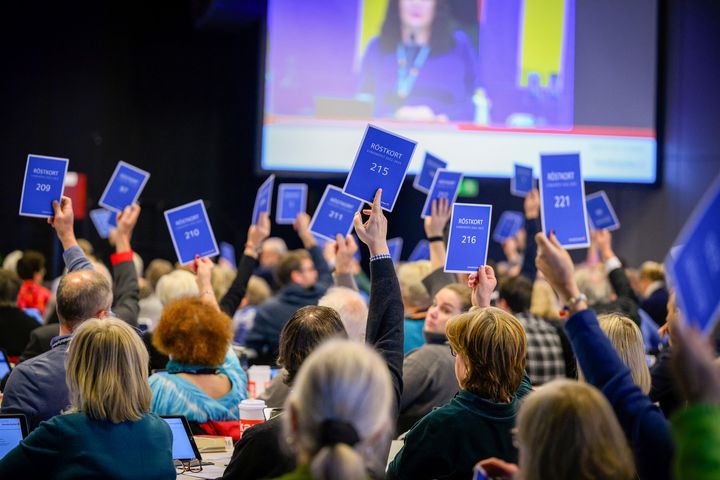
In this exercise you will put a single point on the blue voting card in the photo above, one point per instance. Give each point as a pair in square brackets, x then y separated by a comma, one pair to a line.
[446, 184]
[292, 198]
[227, 251]
[522, 181]
[43, 182]
[395, 246]
[381, 162]
[562, 200]
[694, 268]
[508, 226]
[424, 179]
[101, 219]
[191, 232]
[125, 186]
[420, 252]
[263, 199]
[112, 221]
[600, 212]
[334, 214]
[469, 237]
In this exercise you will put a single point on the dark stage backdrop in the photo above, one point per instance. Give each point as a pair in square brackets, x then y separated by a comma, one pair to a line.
[99, 82]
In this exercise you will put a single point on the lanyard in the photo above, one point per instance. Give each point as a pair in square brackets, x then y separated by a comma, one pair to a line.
[407, 76]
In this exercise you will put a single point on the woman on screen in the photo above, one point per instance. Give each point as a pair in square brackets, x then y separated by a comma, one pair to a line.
[419, 67]
[108, 432]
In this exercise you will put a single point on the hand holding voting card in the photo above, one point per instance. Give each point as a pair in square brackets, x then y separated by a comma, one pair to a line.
[694, 266]
[522, 181]
[101, 219]
[124, 187]
[334, 214]
[292, 198]
[44, 181]
[263, 199]
[191, 232]
[424, 179]
[508, 226]
[469, 237]
[420, 252]
[562, 200]
[395, 246]
[601, 213]
[446, 184]
[227, 253]
[381, 162]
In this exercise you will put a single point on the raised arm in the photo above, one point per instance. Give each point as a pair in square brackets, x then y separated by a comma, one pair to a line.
[246, 266]
[302, 227]
[385, 313]
[642, 421]
[345, 249]
[62, 221]
[613, 266]
[531, 206]
[440, 212]
[126, 291]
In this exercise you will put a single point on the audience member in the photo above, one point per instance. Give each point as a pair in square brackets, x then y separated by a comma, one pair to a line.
[36, 387]
[429, 379]
[339, 413]
[15, 324]
[544, 303]
[176, 285]
[654, 294]
[258, 291]
[549, 354]
[567, 431]
[665, 390]
[628, 342]
[416, 301]
[151, 306]
[108, 432]
[643, 423]
[31, 269]
[303, 276]
[272, 251]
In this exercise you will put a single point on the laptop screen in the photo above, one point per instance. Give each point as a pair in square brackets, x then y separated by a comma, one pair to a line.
[4, 365]
[182, 449]
[11, 434]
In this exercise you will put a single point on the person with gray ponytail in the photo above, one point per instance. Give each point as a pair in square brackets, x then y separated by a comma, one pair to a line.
[340, 413]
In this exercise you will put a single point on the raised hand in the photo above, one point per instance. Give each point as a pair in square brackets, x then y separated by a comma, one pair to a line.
[602, 240]
[126, 221]
[302, 227]
[531, 204]
[62, 221]
[373, 233]
[345, 249]
[482, 283]
[202, 268]
[440, 212]
[257, 234]
[556, 265]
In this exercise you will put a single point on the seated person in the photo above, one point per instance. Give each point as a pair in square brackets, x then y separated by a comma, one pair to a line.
[108, 432]
[490, 349]
[549, 354]
[567, 431]
[335, 431]
[203, 379]
[15, 325]
[303, 276]
[428, 372]
[31, 269]
[416, 301]
[654, 293]
[628, 341]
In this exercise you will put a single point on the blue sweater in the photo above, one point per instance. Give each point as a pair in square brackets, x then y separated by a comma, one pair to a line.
[75, 446]
[644, 424]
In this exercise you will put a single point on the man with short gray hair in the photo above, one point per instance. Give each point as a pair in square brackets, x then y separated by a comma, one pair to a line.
[36, 387]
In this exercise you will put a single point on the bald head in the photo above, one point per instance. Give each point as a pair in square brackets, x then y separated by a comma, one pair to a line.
[82, 295]
[352, 309]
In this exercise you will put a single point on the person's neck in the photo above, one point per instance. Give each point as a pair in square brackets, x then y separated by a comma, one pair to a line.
[64, 330]
[415, 36]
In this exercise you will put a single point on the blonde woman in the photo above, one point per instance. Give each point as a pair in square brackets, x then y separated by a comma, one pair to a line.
[108, 432]
[628, 341]
[567, 431]
[489, 346]
[339, 413]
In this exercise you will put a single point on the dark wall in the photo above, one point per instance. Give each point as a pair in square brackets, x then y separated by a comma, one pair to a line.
[109, 81]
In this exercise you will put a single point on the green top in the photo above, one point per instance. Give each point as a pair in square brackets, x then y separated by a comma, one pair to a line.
[450, 440]
[302, 472]
[697, 436]
[75, 446]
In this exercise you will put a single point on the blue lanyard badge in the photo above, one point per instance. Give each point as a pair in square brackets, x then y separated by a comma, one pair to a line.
[407, 76]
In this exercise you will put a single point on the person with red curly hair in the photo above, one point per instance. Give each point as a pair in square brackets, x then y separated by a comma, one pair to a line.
[203, 379]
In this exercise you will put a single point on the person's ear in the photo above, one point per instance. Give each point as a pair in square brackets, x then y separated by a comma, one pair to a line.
[294, 423]
[102, 314]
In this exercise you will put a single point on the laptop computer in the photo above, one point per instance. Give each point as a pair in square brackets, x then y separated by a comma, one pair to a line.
[184, 447]
[13, 428]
